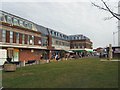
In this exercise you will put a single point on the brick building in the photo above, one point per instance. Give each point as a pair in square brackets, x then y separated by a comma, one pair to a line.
[25, 40]
[80, 43]
[19, 37]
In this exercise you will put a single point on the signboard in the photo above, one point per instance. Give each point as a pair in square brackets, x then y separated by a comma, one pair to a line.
[3, 56]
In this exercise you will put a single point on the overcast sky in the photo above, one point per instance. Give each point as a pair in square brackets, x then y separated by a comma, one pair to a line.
[68, 17]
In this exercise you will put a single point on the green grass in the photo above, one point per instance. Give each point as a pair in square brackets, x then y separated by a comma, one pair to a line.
[83, 73]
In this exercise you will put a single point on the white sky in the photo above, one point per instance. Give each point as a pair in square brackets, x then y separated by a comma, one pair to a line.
[68, 17]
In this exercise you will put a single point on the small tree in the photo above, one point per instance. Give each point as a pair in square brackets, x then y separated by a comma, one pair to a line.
[107, 8]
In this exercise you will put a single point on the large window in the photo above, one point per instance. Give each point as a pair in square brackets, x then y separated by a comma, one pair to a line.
[3, 35]
[56, 42]
[44, 42]
[17, 37]
[39, 41]
[32, 40]
[11, 37]
[28, 40]
[23, 39]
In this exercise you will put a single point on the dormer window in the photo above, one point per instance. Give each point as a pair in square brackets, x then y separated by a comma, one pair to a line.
[51, 32]
[21, 23]
[2, 17]
[29, 25]
[55, 33]
[25, 24]
[9, 19]
[15, 21]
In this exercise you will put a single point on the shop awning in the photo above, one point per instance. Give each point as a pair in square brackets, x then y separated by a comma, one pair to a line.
[82, 50]
[89, 50]
[68, 51]
[78, 50]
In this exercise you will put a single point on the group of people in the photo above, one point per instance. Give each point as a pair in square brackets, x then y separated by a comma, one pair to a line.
[67, 56]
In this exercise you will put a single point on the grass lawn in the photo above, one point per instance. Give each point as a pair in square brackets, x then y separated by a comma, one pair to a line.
[82, 73]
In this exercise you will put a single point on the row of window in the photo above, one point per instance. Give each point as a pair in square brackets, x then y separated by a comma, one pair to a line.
[59, 35]
[15, 21]
[24, 23]
[62, 36]
[79, 37]
[76, 47]
[56, 42]
[80, 45]
[30, 39]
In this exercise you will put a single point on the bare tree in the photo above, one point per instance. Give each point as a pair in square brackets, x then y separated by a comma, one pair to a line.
[107, 8]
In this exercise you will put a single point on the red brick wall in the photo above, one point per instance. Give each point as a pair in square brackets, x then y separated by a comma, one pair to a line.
[26, 54]
[7, 36]
[26, 37]
[14, 37]
[49, 42]
[20, 38]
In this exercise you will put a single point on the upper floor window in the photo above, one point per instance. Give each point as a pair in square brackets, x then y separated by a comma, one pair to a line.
[54, 33]
[39, 41]
[79, 37]
[3, 35]
[23, 39]
[25, 24]
[21, 23]
[28, 40]
[56, 42]
[11, 37]
[15, 21]
[2, 17]
[17, 37]
[63, 43]
[32, 40]
[44, 42]
[9, 19]
[51, 32]
[29, 25]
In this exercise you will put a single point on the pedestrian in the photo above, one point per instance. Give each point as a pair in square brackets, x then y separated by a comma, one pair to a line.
[56, 57]
[41, 57]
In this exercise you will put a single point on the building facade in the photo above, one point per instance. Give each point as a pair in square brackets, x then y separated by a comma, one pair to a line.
[25, 40]
[19, 37]
[80, 44]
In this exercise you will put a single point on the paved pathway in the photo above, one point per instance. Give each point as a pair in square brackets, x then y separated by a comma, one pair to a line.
[109, 60]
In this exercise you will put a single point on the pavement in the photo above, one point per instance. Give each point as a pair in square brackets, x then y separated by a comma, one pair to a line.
[109, 60]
